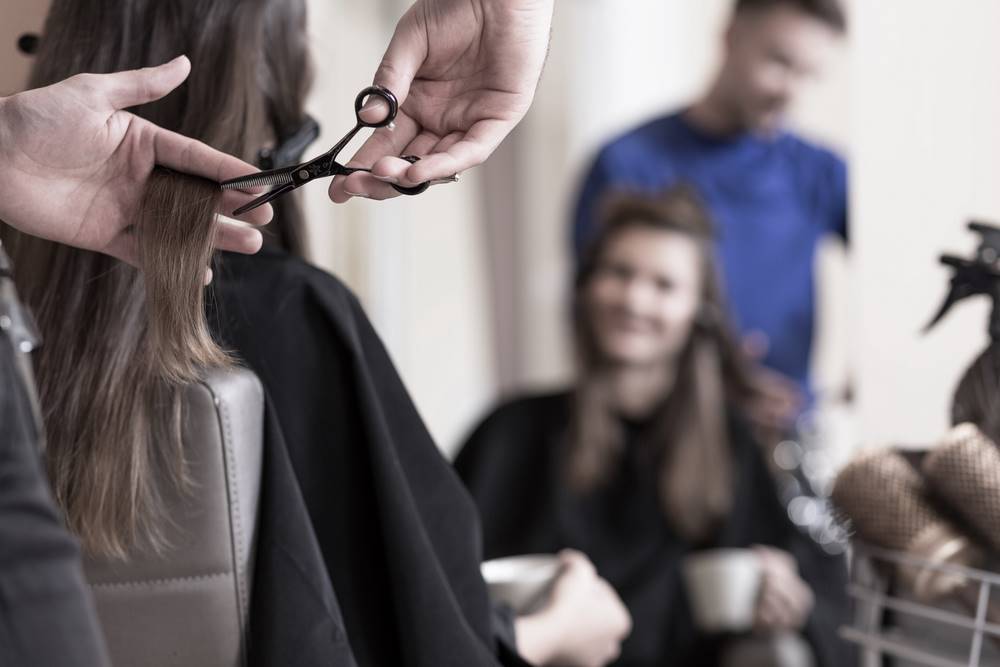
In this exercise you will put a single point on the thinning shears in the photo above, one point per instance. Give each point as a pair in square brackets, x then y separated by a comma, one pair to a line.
[285, 179]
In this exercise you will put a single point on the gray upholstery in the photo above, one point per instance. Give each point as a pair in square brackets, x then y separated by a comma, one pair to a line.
[190, 606]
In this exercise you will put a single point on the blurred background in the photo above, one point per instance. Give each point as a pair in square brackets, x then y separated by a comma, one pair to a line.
[467, 284]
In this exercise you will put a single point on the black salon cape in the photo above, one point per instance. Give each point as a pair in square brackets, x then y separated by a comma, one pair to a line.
[511, 464]
[47, 616]
[369, 548]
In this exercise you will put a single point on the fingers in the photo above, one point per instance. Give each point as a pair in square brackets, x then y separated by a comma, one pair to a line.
[785, 600]
[776, 386]
[230, 235]
[772, 614]
[237, 237]
[140, 86]
[378, 184]
[778, 399]
[574, 561]
[393, 170]
[188, 156]
[620, 623]
[470, 151]
[383, 142]
[442, 146]
[779, 610]
[367, 186]
[756, 344]
[425, 144]
[233, 199]
[403, 58]
[124, 248]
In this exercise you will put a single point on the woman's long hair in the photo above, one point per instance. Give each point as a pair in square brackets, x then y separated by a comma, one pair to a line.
[119, 344]
[689, 434]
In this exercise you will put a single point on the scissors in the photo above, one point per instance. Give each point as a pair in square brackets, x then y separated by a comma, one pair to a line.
[285, 179]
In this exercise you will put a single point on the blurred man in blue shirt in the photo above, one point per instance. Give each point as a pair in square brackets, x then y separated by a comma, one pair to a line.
[774, 196]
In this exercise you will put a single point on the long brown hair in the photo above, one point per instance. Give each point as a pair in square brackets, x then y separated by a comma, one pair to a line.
[120, 345]
[689, 433]
[251, 71]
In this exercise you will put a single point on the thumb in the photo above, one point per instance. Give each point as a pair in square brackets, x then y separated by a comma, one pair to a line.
[140, 86]
[572, 561]
[404, 57]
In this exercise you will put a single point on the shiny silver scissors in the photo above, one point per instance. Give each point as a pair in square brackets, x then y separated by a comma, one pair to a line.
[285, 179]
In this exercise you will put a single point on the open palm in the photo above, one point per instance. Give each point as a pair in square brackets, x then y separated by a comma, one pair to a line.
[465, 72]
[74, 164]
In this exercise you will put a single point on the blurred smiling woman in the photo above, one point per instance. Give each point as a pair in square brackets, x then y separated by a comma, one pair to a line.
[648, 457]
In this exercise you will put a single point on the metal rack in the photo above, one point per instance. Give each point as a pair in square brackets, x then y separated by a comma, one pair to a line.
[890, 624]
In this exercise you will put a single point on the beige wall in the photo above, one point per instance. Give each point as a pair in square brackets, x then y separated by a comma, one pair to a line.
[927, 146]
[17, 17]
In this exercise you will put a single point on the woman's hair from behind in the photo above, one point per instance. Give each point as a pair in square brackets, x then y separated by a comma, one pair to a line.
[120, 345]
[977, 398]
[688, 435]
[251, 71]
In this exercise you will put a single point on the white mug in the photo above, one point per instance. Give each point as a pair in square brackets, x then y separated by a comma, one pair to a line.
[722, 586]
[522, 582]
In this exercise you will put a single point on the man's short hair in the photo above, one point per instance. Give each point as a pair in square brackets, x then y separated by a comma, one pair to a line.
[829, 12]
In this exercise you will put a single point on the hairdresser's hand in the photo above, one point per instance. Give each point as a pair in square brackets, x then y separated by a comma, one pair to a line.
[785, 600]
[583, 624]
[779, 398]
[73, 165]
[465, 73]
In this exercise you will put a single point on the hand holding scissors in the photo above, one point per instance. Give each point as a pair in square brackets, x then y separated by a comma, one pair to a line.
[465, 73]
[286, 179]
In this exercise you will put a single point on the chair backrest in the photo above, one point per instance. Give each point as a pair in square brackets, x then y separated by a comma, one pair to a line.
[190, 606]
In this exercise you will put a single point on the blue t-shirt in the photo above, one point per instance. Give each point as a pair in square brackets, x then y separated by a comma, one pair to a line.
[772, 199]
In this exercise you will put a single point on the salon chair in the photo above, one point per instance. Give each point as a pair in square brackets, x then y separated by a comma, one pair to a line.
[189, 606]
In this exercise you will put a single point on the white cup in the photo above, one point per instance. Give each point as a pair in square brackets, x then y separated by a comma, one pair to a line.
[521, 582]
[722, 586]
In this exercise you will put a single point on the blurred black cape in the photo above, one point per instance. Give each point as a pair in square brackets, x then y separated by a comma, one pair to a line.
[369, 546]
[512, 464]
[47, 615]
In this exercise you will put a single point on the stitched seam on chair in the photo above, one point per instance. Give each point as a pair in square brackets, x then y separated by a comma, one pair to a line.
[227, 441]
[160, 582]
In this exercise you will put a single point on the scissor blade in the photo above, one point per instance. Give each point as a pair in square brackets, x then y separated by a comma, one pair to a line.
[264, 199]
[271, 178]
